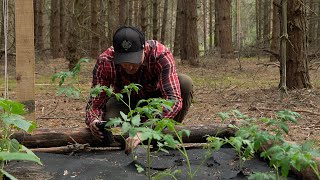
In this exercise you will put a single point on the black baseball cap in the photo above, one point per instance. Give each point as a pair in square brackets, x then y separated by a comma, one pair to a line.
[128, 44]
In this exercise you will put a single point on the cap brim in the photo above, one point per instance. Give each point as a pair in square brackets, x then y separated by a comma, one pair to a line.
[130, 57]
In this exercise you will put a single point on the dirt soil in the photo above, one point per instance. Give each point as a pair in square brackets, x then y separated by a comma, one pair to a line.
[219, 86]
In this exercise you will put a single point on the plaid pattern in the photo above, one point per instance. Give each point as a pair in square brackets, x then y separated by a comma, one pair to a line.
[157, 73]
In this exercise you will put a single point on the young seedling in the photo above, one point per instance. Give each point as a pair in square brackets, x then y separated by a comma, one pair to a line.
[10, 149]
[281, 155]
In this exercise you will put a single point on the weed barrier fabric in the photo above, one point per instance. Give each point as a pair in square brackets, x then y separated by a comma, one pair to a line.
[115, 165]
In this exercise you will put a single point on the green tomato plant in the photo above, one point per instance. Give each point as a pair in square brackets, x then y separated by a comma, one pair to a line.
[10, 149]
[252, 133]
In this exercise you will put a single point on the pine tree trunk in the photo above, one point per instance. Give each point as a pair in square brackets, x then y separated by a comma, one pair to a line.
[63, 29]
[211, 26]
[205, 26]
[102, 26]
[94, 28]
[38, 12]
[216, 25]
[312, 24]
[155, 27]
[112, 24]
[136, 12]
[190, 49]
[122, 12]
[225, 29]
[297, 64]
[130, 12]
[266, 23]
[275, 40]
[164, 21]
[144, 20]
[55, 29]
[177, 36]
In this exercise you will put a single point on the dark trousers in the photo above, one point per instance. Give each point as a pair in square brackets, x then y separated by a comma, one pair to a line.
[113, 107]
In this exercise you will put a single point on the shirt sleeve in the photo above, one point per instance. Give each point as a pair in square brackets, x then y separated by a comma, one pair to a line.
[169, 83]
[95, 105]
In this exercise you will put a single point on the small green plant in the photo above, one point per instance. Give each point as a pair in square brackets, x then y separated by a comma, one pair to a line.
[251, 137]
[10, 149]
[151, 129]
[72, 80]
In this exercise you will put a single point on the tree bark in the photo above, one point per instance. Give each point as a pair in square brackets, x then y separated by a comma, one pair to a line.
[164, 22]
[144, 20]
[155, 27]
[112, 23]
[177, 39]
[63, 24]
[205, 26]
[275, 40]
[189, 46]
[123, 12]
[55, 29]
[297, 64]
[44, 138]
[225, 28]
[94, 28]
[211, 25]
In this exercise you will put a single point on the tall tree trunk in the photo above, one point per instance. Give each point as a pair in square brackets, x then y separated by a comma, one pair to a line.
[164, 21]
[144, 20]
[39, 44]
[55, 28]
[205, 26]
[190, 49]
[136, 12]
[130, 12]
[155, 27]
[112, 22]
[123, 12]
[275, 40]
[266, 23]
[216, 25]
[225, 28]
[211, 26]
[94, 28]
[312, 24]
[258, 23]
[172, 25]
[72, 54]
[297, 64]
[177, 36]
[63, 22]
[102, 26]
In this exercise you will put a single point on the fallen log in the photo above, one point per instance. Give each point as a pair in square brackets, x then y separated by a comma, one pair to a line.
[56, 137]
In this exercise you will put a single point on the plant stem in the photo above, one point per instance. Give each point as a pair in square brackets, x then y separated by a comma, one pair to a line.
[149, 157]
[315, 170]
[184, 153]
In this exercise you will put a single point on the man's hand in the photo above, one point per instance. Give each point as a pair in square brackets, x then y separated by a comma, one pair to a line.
[132, 143]
[95, 130]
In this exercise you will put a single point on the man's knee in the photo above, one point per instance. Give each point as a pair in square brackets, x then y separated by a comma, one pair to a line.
[186, 83]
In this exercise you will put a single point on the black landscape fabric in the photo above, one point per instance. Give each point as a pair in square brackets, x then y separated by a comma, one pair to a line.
[116, 165]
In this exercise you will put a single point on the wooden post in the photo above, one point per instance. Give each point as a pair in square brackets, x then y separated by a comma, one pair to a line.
[25, 55]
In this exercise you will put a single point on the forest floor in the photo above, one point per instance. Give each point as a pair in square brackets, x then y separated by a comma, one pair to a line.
[219, 86]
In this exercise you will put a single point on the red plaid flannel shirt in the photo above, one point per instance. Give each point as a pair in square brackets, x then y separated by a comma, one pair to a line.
[158, 72]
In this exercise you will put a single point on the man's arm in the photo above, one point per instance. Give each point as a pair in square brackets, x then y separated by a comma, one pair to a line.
[95, 105]
[169, 83]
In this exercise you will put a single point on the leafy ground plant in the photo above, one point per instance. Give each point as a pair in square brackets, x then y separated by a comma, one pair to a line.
[252, 134]
[10, 149]
[150, 130]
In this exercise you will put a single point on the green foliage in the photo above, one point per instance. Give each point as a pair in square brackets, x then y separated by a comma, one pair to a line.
[250, 137]
[262, 176]
[71, 79]
[11, 149]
